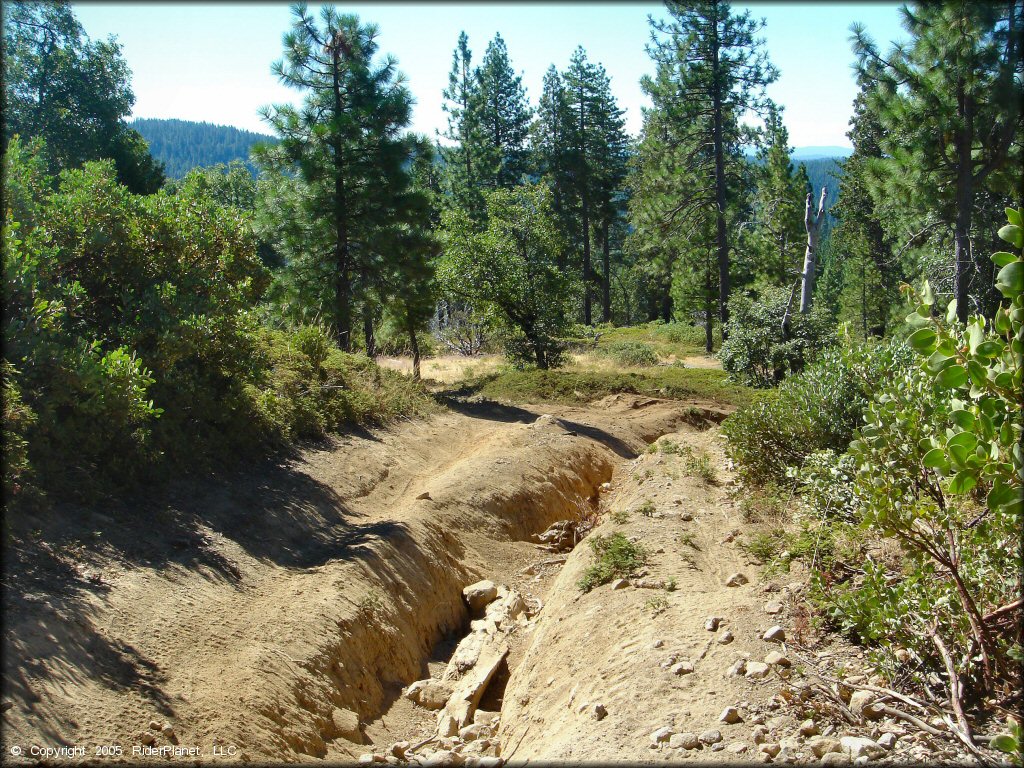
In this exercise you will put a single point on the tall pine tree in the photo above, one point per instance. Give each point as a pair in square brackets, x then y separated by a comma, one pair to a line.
[501, 112]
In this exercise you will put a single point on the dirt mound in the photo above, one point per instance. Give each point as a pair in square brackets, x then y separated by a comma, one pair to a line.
[265, 611]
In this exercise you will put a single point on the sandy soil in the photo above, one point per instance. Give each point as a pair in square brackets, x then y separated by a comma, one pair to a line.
[251, 611]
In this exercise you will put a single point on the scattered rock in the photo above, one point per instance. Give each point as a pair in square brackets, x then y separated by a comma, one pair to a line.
[658, 644]
[726, 638]
[169, 733]
[730, 715]
[686, 517]
[687, 740]
[661, 735]
[736, 580]
[485, 717]
[773, 608]
[154, 725]
[712, 623]
[147, 738]
[366, 757]
[759, 734]
[684, 667]
[425, 496]
[770, 748]
[710, 737]
[605, 487]
[863, 703]
[774, 658]
[598, 711]
[859, 746]
[738, 668]
[620, 584]
[429, 693]
[737, 747]
[822, 745]
[835, 758]
[755, 670]
[490, 761]
[346, 724]
[809, 728]
[774, 635]
[717, 747]
[480, 594]
[474, 732]
[888, 740]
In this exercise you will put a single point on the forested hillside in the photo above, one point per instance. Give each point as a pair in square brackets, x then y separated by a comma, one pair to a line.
[182, 145]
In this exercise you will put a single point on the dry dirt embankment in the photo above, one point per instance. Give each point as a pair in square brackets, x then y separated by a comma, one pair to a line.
[262, 612]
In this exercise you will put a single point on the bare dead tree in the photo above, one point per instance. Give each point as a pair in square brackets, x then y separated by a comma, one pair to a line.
[813, 226]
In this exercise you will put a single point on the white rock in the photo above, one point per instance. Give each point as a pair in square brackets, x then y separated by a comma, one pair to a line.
[756, 670]
[730, 715]
[661, 735]
[684, 667]
[478, 595]
[474, 732]
[808, 728]
[711, 736]
[859, 746]
[775, 634]
[737, 747]
[822, 745]
[726, 638]
[658, 644]
[605, 487]
[687, 740]
[887, 740]
[346, 724]
[620, 584]
[773, 608]
[774, 658]
[736, 580]
[770, 748]
[863, 703]
[738, 668]
[835, 758]
[712, 623]
[759, 734]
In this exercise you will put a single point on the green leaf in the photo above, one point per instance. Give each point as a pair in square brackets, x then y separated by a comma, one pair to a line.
[1004, 742]
[953, 377]
[965, 439]
[936, 459]
[979, 377]
[951, 311]
[989, 349]
[1013, 216]
[923, 340]
[1012, 233]
[1010, 280]
[927, 296]
[963, 482]
[963, 419]
[1002, 258]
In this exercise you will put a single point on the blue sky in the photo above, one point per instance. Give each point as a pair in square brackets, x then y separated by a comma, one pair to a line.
[202, 61]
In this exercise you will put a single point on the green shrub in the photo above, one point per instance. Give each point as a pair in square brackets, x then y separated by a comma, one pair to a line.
[939, 471]
[757, 352]
[815, 410]
[615, 557]
[630, 353]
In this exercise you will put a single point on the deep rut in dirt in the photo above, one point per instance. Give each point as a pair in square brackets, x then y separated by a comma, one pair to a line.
[332, 583]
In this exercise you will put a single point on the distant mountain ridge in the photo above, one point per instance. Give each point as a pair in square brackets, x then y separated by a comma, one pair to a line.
[182, 145]
[820, 153]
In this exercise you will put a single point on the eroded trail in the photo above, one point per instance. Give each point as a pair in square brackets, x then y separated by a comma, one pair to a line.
[260, 612]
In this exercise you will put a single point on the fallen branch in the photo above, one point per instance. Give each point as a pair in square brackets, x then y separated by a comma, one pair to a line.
[956, 689]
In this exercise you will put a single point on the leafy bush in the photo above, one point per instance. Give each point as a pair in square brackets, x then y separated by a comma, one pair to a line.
[630, 353]
[814, 410]
[757, 352]
[615, 556]
[939, 471]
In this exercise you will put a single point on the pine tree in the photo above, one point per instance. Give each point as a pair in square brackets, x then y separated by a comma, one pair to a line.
[461, 158]
[778, 239]
[502, 114]
[550, 154]
[950, 107]
[711, 70]
[342, 167]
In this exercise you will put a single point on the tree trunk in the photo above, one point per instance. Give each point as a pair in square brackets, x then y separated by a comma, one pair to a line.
[720, 201]
[607, 314]
[813, 226]
[964, 203]
[342, 280]
[371, 343]
[415, 347]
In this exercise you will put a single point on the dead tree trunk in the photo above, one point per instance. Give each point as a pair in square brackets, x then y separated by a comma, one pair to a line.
[813, 226]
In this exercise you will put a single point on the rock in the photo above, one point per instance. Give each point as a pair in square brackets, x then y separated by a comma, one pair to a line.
[432, 694]
[863, 703]
[736, 580]
[887, 740]
[399, 748]
[684, 667]
[756, 670]
[366, 757]
[147, 738]
[686, 740]
[730, 715]
[822, 745]
[154, 725]
[726, 638]
[770, 748]
[773, 608]
[169, 734]
[775, 634]
[859, 746]
[835, 758]
[686, 517]
[738, 668]
[474, 732]
[605, 487]
[717, 747]
[620, 584]
[809, 728]
[710, 737]
[346, 724]
[737, 747]
[661, 735]
[658, 644]
[759, 734]
[484, 717]
[490, 761]
[774, 658]
[712, 623]
[480, 594]
[425, 496]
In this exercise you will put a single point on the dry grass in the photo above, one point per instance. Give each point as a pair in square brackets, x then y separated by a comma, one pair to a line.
[446, 369]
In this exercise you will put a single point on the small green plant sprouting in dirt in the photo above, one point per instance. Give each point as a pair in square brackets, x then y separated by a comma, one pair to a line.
[667, 447]
[699, 465]
[615, 556]
[372, 603]
[688, 540]
[657, 604]
[647, 509]
[671, 585]
[620, 516]
[652, 448]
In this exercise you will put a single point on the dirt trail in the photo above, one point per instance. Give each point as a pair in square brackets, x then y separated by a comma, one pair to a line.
[255, 612]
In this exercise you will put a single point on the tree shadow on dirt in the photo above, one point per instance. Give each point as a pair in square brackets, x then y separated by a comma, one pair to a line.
[488, 409]
[606, 439]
